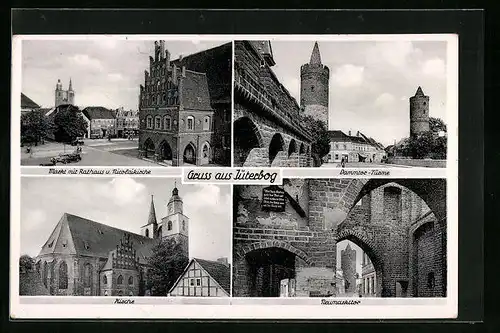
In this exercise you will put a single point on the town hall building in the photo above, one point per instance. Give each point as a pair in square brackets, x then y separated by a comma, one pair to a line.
[185, 108]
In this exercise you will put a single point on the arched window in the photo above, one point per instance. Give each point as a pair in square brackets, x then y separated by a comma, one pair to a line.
[183, 225]
[105, 279]
[119, 280]
[149, 122]
[206, 150]
[63, 276]
[190, 123]
[167, 123]
[131, 280]
[87, 276]
[206, 123]
[45, 273]
[169, 225]
[157, 122]
[147, 232]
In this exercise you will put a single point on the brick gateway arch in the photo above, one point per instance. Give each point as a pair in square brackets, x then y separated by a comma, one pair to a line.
[399, 223]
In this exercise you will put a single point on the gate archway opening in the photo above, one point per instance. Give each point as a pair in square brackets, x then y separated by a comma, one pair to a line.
[149, 148]
[268, 269]
[190, 154]
[205, 153]
[359, 271]
[246, 138]
[277, 144]
[165, 151]
[292, 148]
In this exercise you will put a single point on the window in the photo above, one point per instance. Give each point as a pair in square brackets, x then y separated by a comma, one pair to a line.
[191, 282]
[336, 156]
[431, 282]
[167, 123]
[51, 243]
[198, 282]
[190, 123]
[87, 276]
[206, 123]
[63, 276]
[119, 280]
[183, 225]
[149, 122]
[227, 115]
[105, 279]
[147, 232]
[157, 122]
[206, 150]
[64, 243]
[169, 225]
[131, 280]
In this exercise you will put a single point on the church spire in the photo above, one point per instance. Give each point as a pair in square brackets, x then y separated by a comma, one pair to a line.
[315, 55]
[152, 213]
[70, 85]
[419, 92]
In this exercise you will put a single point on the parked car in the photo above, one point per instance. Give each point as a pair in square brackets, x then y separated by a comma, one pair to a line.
[78, 141]
[66, 158]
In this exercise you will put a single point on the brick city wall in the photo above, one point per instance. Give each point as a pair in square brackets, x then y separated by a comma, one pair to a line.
[250, 65]
[266, 129]
[425, 163]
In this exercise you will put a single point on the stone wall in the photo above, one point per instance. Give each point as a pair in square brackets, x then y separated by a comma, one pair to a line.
[423, 163]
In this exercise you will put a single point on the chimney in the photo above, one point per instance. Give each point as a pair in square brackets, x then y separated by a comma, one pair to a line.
[180, 57]
[349, 132]
[183, 71]
[357, 134]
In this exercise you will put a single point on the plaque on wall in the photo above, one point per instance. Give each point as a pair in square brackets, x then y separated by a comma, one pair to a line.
[273, 199]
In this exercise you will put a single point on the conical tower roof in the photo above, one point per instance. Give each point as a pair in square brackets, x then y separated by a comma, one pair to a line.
[419, 92]
[315, 55]
[70, 85]
[152, 213]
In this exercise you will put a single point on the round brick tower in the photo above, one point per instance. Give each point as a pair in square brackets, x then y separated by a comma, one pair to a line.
[314, 80]
[419, 113]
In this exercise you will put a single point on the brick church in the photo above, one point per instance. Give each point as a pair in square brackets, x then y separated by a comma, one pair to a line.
[185, 108]
[82, 257]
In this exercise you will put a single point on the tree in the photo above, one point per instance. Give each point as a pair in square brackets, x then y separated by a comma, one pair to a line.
[68, 123]
[165, 265]
[34, 127]
[320, 146]
[26, 263]
[436, 125]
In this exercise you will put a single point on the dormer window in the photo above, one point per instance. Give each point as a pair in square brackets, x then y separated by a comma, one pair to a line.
[87, 246]
[64, 243]
[51, 243]
[100, 232]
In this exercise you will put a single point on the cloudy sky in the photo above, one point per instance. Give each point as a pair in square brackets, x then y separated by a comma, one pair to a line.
[105, 72]
[371, 82]
[124, 203]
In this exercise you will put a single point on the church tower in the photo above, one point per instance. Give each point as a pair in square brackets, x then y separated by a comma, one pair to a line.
[176, 225]
[150, 229]
[71, 93]
[64, 96]
[419, 113]
[314, 84]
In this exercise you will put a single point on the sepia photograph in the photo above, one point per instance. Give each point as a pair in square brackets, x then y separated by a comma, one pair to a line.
[115, 101]
[341, 103]
[355, 238]
[124, 237]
